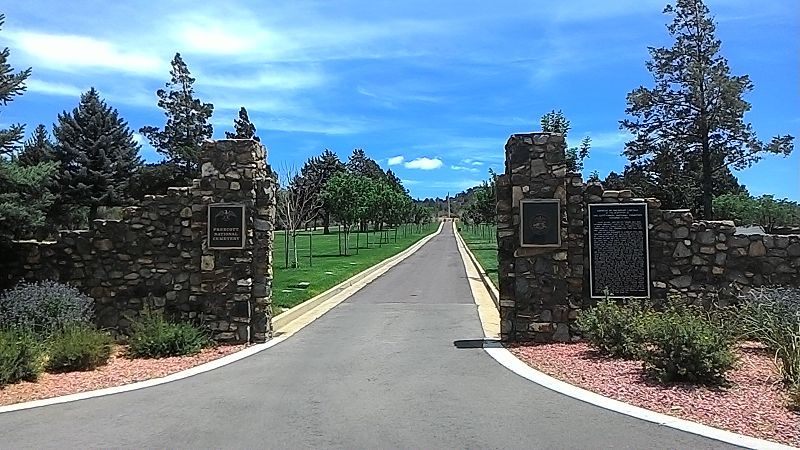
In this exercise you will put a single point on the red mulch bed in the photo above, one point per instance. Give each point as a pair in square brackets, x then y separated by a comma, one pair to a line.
[119, 371]
[754, 404]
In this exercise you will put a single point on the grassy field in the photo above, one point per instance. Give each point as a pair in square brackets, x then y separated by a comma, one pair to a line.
[327, 268]
[482, 241]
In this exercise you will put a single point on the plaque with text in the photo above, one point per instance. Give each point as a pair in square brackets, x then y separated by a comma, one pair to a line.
[226, 226]
[619, 257]
[540, 223]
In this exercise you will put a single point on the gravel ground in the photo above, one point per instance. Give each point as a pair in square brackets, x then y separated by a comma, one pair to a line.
[119, 371]
[754, 404]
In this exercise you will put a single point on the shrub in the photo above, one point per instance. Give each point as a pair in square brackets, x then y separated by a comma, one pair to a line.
[772, 316]
[614, 329]
[20, 356]
[154, 337]
[684, 345]
[44, 307]
[78, 347]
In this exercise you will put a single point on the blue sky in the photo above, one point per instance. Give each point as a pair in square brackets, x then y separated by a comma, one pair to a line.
[431, 89]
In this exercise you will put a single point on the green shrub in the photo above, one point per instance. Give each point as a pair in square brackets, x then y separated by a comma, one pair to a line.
[684, 345]
[44, 307]
[20, 356]
[154, 337]
[772, 316]
[614, 329]
[78, 347]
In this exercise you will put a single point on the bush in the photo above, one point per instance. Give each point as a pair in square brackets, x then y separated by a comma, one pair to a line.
[684, 345]
[20, 356]
[154, 337]
[44, 307]
[772, 316]
[614, 329]
[78, 347]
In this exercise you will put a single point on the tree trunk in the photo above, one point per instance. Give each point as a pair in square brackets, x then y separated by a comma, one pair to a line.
[708, 183]
[326, 223]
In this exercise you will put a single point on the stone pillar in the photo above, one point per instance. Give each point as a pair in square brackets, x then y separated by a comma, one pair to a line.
[540, 287]
[234, 286]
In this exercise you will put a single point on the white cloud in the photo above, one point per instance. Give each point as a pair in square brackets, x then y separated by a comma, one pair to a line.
[71, 53]
[467, 169]
[424, 163]
[52, 88]
[395, 160]
[610, 140]
[274, 78]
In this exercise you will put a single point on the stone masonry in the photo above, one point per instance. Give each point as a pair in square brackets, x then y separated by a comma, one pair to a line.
[157, 255]
[542, 289]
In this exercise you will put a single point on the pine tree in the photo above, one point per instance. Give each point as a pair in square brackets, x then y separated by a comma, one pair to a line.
[696, 108]
[37, 149]
[318, 170]
[23, 194]
[187, 121]
[243, 128]
[97, 153]
[360, 164]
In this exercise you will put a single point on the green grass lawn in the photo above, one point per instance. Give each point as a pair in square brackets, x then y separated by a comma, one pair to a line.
[326, 267]
[482, 240]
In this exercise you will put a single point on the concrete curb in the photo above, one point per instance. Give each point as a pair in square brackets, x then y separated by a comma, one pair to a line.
[514, 364]
[487, 281]
[344, 290]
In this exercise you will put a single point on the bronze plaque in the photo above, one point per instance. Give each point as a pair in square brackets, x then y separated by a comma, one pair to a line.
[540, 223]
[226, 229]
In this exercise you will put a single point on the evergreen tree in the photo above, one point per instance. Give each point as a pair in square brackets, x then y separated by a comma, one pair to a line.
[23, 194]
[38, 148]
[97, 153]
[318, 170]
[187, 121]
[360, 164]
[696, 108]
[557, 122]
[395, 182]
[243, 128]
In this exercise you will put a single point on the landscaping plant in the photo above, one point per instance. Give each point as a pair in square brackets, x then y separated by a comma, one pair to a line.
[772, 316]
[153, 336]
[20, 356]
[44, 307]
[78, 347]
[682, 344]
[613, 328]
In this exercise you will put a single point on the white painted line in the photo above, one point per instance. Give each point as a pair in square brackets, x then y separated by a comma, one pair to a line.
[348, 287]
[211, 365]
[513, 364]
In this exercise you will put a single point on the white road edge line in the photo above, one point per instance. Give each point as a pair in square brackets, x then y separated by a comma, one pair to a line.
[349, 287]
[514, 364]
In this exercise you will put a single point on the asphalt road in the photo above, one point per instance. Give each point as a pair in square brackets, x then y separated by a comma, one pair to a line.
[379, 371]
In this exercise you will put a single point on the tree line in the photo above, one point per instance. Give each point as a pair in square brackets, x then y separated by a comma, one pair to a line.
[689, 132]
[92, 158]
[356, 194]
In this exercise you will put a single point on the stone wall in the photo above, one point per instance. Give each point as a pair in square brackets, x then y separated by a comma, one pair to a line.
[542, 289]
[158, 256]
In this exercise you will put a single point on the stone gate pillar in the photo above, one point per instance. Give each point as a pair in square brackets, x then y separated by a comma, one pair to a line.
[234, 272]
[540, 240]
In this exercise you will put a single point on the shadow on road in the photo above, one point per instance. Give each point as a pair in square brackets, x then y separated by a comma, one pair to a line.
[477, 343]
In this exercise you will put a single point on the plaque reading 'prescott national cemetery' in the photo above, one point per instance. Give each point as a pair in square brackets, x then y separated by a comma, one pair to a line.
[225, 226]
[540, 223]
[618, 250]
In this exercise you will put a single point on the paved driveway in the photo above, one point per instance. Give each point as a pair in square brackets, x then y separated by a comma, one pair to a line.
[378, 371]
